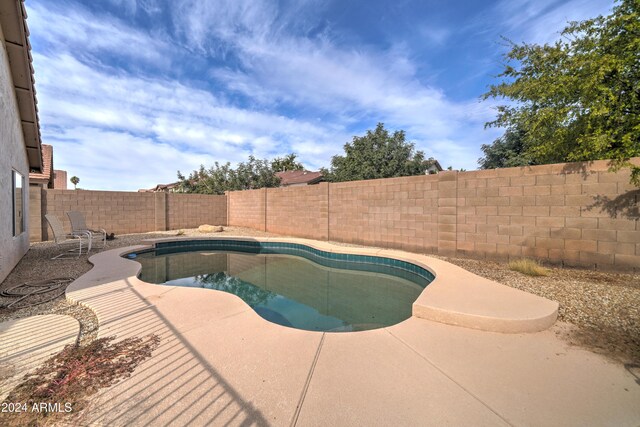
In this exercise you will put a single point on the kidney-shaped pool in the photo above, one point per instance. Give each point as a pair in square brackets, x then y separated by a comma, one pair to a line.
[291, 284]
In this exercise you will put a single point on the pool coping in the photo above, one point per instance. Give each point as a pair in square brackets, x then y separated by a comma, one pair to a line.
[455, 297]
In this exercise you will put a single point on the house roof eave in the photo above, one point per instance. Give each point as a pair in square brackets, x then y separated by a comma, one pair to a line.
[13, 23]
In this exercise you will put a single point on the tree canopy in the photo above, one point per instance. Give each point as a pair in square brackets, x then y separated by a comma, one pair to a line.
[286, 163]
[577, 99]
[253, 174]
[506, 151]
[378, 154]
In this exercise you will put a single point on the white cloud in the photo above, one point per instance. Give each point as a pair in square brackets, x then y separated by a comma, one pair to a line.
[298, 93]
[315, 75]
[92, 114]
[131, 6]
[541, 21]
[74, 29]
[116, 160]
[434, 34]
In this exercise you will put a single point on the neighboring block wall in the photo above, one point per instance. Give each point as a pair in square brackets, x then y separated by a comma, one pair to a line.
[573, 213]
[122, 212]
[301, 211]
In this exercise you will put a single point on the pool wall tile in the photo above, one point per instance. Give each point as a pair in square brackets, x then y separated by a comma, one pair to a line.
[377, 264]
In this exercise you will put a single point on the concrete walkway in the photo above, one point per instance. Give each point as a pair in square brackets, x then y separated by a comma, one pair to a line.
[26, 343]
[219, 363]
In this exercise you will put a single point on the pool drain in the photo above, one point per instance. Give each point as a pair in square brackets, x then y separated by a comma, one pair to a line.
[30, 294]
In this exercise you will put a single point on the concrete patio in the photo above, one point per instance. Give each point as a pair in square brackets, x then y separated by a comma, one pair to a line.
[27, 343]
[219, 363]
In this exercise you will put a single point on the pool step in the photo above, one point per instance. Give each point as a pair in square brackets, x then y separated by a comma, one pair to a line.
[459, 297]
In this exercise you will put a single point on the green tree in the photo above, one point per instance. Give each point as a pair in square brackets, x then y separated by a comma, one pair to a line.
[378, 154]
[577, 99]
[254, 173]
[506, 151]
[74, 180]
[286, 163]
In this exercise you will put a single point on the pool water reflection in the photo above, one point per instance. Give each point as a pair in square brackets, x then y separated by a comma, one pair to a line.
[291, 290]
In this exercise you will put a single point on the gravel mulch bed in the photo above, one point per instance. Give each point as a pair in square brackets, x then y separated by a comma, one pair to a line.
[37, 265]
[603, 306]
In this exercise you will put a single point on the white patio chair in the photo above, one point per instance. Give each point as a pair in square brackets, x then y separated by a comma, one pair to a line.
[79, 225]
[60, 237]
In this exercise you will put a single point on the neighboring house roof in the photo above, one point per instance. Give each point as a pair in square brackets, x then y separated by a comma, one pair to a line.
[433, 164]
[160, 188]
[46, 176]
[13, 20]
[299, 177]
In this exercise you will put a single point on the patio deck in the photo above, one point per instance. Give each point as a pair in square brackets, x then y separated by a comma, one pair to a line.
[220, 363]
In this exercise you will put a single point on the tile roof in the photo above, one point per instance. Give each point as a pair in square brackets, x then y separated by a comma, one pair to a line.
[299, 177]
[13, 20]
[47, 166]
[160, 188]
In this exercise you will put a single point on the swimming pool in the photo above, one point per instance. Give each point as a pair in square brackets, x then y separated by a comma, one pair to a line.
[291, 284]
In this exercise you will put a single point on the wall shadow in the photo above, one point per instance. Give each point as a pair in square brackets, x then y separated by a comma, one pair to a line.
[625, 205]
[579, 167]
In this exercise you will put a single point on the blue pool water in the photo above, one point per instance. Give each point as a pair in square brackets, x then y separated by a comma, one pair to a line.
[293, 285]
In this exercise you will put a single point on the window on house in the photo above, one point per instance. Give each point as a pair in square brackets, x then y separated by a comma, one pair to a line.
[18, 203]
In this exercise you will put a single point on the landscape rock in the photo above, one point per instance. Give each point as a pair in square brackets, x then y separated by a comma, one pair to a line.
[206, 228]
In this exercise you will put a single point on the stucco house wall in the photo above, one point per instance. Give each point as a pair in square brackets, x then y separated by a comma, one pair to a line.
[13, 156]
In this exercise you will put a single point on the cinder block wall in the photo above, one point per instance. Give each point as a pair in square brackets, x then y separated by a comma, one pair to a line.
[35, 213]
[192, 210]
[577, 214]
[248, 208]
[122, 212]
[116, 211]
[395, 213]
[301, 211]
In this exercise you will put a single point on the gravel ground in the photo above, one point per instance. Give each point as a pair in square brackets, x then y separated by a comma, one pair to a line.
[604, 307]
[37, 265]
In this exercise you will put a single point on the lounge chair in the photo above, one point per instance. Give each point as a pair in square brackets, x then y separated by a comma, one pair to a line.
[79, 225]
[61, 238]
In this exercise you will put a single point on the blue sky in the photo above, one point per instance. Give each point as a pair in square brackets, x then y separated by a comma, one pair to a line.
[130, 91]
